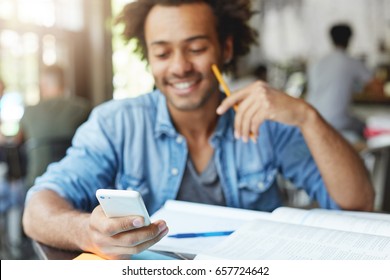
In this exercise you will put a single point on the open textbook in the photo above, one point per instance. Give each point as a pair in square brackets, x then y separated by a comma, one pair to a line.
[286, 233]
[308, 234]
[188, 217]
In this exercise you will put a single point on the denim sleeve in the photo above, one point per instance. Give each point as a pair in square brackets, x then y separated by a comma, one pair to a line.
[296, 163]
[90, 164]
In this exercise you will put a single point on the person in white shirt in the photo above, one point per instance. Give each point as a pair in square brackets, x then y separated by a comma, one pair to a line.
[333, 80]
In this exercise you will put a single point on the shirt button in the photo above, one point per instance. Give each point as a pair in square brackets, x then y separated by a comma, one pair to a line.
[179, 139]
[174, 171]
[260, 185]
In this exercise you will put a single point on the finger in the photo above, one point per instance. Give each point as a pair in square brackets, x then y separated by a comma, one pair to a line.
[244, 112]
[230, 102]
[247, 117]
[125, 252]
[113, 226]
[137, 236]
[145, 245]
[257, 120]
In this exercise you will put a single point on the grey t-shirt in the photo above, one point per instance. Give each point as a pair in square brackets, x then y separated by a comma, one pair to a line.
[202, 188]
[332, 82]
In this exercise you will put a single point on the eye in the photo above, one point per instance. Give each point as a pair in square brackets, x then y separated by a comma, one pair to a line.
[160, 52]
[198, 50]
[161, 55]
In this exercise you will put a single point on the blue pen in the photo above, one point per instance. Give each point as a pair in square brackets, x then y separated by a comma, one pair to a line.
[201, 234]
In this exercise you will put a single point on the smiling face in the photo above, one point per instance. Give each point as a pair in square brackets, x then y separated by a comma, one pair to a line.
[182, 44]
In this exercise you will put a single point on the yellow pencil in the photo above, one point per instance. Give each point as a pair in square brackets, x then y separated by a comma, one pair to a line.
[222, 82]
[226, 89]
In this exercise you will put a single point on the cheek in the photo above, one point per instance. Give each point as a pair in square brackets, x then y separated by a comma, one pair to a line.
[157, 69]
[203, 64]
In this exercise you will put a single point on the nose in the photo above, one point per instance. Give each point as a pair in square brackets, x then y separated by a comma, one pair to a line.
[180, 65]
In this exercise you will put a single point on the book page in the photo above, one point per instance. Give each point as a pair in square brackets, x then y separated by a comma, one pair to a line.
[268, 240]
[334, 219]
[360, 214]
[187, 217]
[296, 212]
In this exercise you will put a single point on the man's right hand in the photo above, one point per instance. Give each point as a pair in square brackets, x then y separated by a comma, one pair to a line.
[122, 237]
[71, 229]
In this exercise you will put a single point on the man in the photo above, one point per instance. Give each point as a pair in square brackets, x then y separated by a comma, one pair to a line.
[184, 140]
[333, 81]
[48, 127]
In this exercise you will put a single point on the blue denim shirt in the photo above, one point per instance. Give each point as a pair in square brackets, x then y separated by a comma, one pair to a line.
[132, 144]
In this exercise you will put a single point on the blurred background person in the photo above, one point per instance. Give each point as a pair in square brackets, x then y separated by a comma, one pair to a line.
[48, 127]
[333, 80]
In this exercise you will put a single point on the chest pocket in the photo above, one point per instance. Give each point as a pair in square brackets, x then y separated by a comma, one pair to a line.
[258, 190]
[127, 182]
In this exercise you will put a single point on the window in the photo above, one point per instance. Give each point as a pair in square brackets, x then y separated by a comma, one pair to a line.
[33, 33]
[131, 75]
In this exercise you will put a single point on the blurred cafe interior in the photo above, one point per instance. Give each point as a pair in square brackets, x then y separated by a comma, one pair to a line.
[80, 36]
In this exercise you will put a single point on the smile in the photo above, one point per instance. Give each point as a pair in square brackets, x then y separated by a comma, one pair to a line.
[183, 85]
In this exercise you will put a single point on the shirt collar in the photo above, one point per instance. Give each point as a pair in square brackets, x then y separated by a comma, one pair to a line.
[165, 126]
[224, 128]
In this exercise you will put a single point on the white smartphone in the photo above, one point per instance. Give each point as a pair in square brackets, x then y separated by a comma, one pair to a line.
[119, 203]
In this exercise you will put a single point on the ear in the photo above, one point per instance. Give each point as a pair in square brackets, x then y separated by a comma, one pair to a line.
[228, 50]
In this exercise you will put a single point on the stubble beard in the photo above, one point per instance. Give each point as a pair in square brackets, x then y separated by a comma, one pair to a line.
[190, 106]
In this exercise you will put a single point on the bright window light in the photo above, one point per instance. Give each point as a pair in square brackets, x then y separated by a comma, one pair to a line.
[40, 12]
[131, 75]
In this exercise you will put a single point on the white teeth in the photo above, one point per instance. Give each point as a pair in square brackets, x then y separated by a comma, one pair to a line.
[182, 85]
